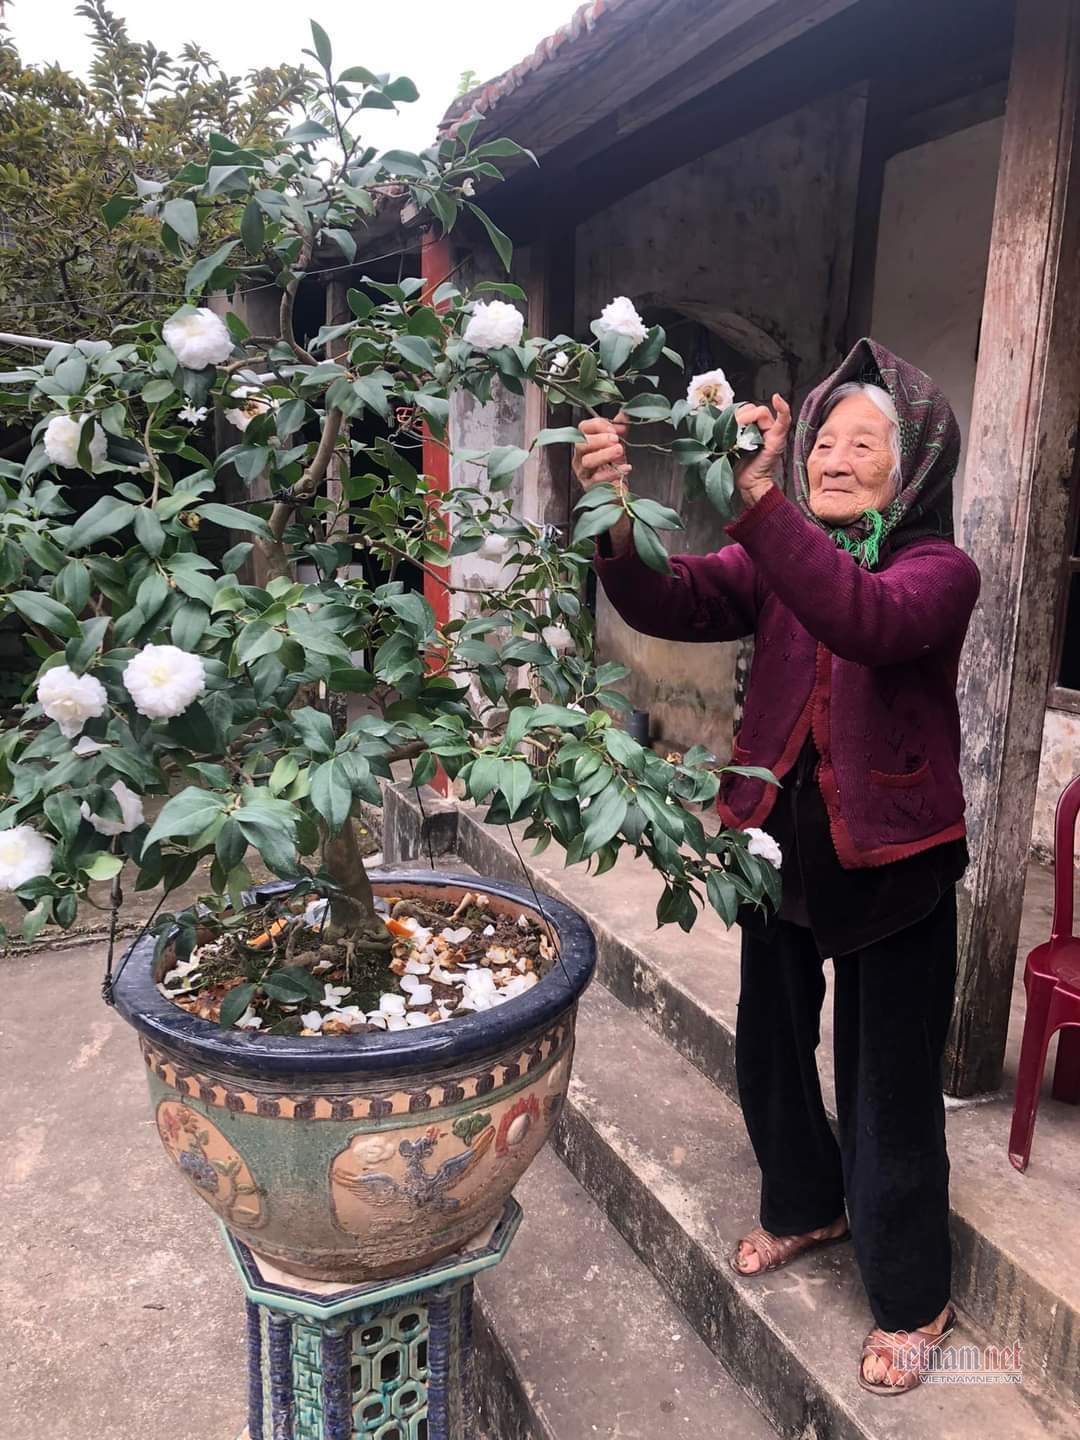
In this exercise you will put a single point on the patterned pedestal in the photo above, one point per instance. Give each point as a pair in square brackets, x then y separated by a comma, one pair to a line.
[390, 1360]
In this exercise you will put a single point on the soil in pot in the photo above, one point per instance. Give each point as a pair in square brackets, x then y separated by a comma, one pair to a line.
[275, 971]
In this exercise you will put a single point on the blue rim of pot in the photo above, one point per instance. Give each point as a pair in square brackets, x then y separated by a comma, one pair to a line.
[430, 1047]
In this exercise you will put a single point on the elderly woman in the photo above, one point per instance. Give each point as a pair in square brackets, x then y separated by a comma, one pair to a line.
[859, 602]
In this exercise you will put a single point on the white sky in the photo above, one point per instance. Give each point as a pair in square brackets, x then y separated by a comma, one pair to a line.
[432, 41]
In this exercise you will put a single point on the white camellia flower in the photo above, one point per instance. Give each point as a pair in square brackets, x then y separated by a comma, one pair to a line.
[71, 699]
[494, 547]
[710, 388]
[24, 854]
[255, 404]
[131, 811]
[492, 324]
[557, 638]
[164, 680]
[620, 318]
[198, 339]
[193, 415]
[62, 436]
[763, 844]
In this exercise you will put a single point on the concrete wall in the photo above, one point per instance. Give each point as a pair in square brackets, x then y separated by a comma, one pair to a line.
[933, 245]
[747, 251]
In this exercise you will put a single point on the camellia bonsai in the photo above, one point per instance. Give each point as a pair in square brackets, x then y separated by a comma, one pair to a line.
[185, 717]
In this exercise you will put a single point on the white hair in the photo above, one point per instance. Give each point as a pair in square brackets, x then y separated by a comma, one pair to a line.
[884, 402]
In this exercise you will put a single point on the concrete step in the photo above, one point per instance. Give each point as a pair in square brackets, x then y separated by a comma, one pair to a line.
[664, 1154]
[1016, 1257]
[576, 1340]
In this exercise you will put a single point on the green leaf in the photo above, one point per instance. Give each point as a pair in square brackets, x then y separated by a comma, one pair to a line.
[103, 866]
[648, 545]
[723, 896]
[200, 274]
[754, 772]
[660, 517]
[157, 390]
[230, 518]
[253, 228]
[117, 209]
[604, 818]
[720, 485]
[257, 640]
[285, 771]
[503, 246]
[48, 613]
[416, 350]
[185, 815]
[105, 517]
[560, 435]
[424, 769]
[62, 812]
[331, 793]
[234, 1004]
[149, 531]
[307, 131]
[360, 304]
[647, 407]
[189, 625]
[504, 460]
[316, 730]
[558, 715]
[184, 219]
[515, 781]
[594, 522]
[322, 45]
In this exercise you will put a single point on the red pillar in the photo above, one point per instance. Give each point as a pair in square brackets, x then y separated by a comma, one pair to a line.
[435, 267]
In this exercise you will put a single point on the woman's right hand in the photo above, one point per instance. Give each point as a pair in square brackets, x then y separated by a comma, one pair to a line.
[601, 460]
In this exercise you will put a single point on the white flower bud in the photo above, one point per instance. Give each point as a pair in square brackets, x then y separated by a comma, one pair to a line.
[494, 547]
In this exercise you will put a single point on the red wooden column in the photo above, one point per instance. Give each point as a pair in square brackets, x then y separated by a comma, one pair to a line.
[435, 267]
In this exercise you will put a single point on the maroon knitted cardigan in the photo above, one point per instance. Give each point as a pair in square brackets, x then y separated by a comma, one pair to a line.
[864, 660]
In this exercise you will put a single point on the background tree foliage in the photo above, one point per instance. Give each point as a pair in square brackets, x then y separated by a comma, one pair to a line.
[68, 146]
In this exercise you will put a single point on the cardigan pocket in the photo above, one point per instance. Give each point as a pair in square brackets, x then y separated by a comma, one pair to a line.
[901, 779]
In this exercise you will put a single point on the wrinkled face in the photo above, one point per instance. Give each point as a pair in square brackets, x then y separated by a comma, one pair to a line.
[850, 467]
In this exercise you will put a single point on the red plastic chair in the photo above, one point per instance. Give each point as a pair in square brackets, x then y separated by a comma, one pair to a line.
[1052, 982]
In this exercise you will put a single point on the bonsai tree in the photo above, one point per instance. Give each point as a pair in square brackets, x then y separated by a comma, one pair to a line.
[169, 684]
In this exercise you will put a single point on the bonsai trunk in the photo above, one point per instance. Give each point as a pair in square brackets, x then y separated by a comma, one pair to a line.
[352, 903]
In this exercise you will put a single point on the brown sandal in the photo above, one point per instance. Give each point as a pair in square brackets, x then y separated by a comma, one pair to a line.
[778, 1250]
[884, 1345]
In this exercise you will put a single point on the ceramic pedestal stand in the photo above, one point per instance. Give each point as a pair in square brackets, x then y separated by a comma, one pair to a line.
[390, 1360]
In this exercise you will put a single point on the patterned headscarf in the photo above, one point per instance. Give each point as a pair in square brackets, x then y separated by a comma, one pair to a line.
[929, 455]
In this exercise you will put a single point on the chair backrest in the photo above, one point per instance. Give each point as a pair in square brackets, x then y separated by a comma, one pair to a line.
[1064, 840]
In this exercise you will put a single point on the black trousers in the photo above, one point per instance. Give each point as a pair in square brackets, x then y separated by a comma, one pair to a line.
[893, 1000]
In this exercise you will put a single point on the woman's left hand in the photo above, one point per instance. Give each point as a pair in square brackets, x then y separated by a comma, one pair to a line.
[757, 474]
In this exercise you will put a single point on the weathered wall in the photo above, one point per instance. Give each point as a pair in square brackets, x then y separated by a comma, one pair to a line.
[750, 246]
[1059, 764]
[933, 247]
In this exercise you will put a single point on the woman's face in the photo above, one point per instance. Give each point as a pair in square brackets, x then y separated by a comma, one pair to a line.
[850, 466]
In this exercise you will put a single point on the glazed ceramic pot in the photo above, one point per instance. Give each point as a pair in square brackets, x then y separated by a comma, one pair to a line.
[363, 1157]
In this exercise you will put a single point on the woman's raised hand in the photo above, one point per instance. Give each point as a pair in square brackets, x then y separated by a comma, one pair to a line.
[602, 459]
[762, 469]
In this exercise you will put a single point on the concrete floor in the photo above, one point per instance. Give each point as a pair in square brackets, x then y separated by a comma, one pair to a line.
[122, 1318]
